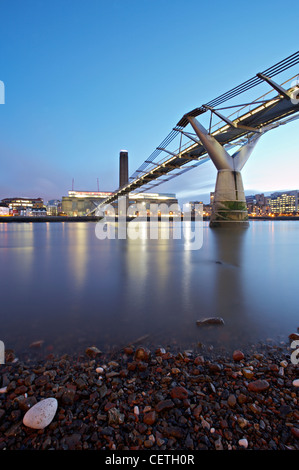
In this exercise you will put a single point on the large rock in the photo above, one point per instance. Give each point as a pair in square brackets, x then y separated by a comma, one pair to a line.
[36, 344]
[73, 441]
[238, 355]
[248, 373]
[92, 351]
[164, 405]
[179, 392]
[174, 431]
[231, 401]
[41, 414]
[258, 386]
[210, 321]
[142, 354]
[115, 416]
[68, 396]
[150, 417]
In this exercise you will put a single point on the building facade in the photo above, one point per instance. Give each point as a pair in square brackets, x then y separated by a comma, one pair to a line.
[4, 210]
[81, 203]
[258, 204]
[54, 207]
[21, 205]
[278, 203]
[284, 203]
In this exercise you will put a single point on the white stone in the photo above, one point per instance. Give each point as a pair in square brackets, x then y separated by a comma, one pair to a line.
[296, 383]
[99, 370]
[41, 414]
[243, 443]
[3, 390]
[136, 410]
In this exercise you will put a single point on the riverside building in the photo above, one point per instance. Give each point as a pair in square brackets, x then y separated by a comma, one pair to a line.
[278, 203]
[284, 203]
[22, 205]
[80, 203]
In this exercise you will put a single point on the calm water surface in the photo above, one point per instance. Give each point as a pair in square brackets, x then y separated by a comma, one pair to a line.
[61, 284]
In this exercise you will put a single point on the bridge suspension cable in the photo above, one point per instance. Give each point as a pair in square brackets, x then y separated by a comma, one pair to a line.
[276, 69]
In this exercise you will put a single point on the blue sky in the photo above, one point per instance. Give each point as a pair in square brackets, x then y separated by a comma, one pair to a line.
[87, 78]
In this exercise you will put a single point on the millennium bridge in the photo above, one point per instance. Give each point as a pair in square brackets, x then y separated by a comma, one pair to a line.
[239, 127]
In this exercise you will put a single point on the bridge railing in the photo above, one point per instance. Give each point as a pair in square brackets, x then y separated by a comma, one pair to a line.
[248, 106]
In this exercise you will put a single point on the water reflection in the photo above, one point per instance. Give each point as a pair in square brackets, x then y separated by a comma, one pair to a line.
[77, 254]
[228, 283]
[144, 290]
[59, 282]
[228, 246]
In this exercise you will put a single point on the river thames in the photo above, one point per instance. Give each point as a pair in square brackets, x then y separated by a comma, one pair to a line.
[62, 285]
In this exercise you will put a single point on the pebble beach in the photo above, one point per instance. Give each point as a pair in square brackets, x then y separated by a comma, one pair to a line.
[152, 398]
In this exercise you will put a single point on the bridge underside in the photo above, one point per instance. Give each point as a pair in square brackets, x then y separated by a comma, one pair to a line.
[245, 126]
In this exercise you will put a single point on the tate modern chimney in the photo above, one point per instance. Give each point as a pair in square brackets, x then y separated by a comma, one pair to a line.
[123, 168]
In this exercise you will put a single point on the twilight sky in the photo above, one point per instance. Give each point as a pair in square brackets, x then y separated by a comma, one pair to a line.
[87, 78]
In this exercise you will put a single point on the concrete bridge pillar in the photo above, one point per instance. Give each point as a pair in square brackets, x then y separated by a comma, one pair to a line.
[229, 205]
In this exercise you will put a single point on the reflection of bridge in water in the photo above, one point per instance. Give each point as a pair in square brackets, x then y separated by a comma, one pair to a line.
[241, 129]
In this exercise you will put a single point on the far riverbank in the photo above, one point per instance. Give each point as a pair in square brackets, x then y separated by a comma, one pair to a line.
[51, 218]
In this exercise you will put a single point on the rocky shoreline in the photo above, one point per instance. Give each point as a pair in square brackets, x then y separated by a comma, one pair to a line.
[153, 398]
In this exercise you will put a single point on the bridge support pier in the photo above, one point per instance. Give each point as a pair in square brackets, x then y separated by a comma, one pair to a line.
[229, 205]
